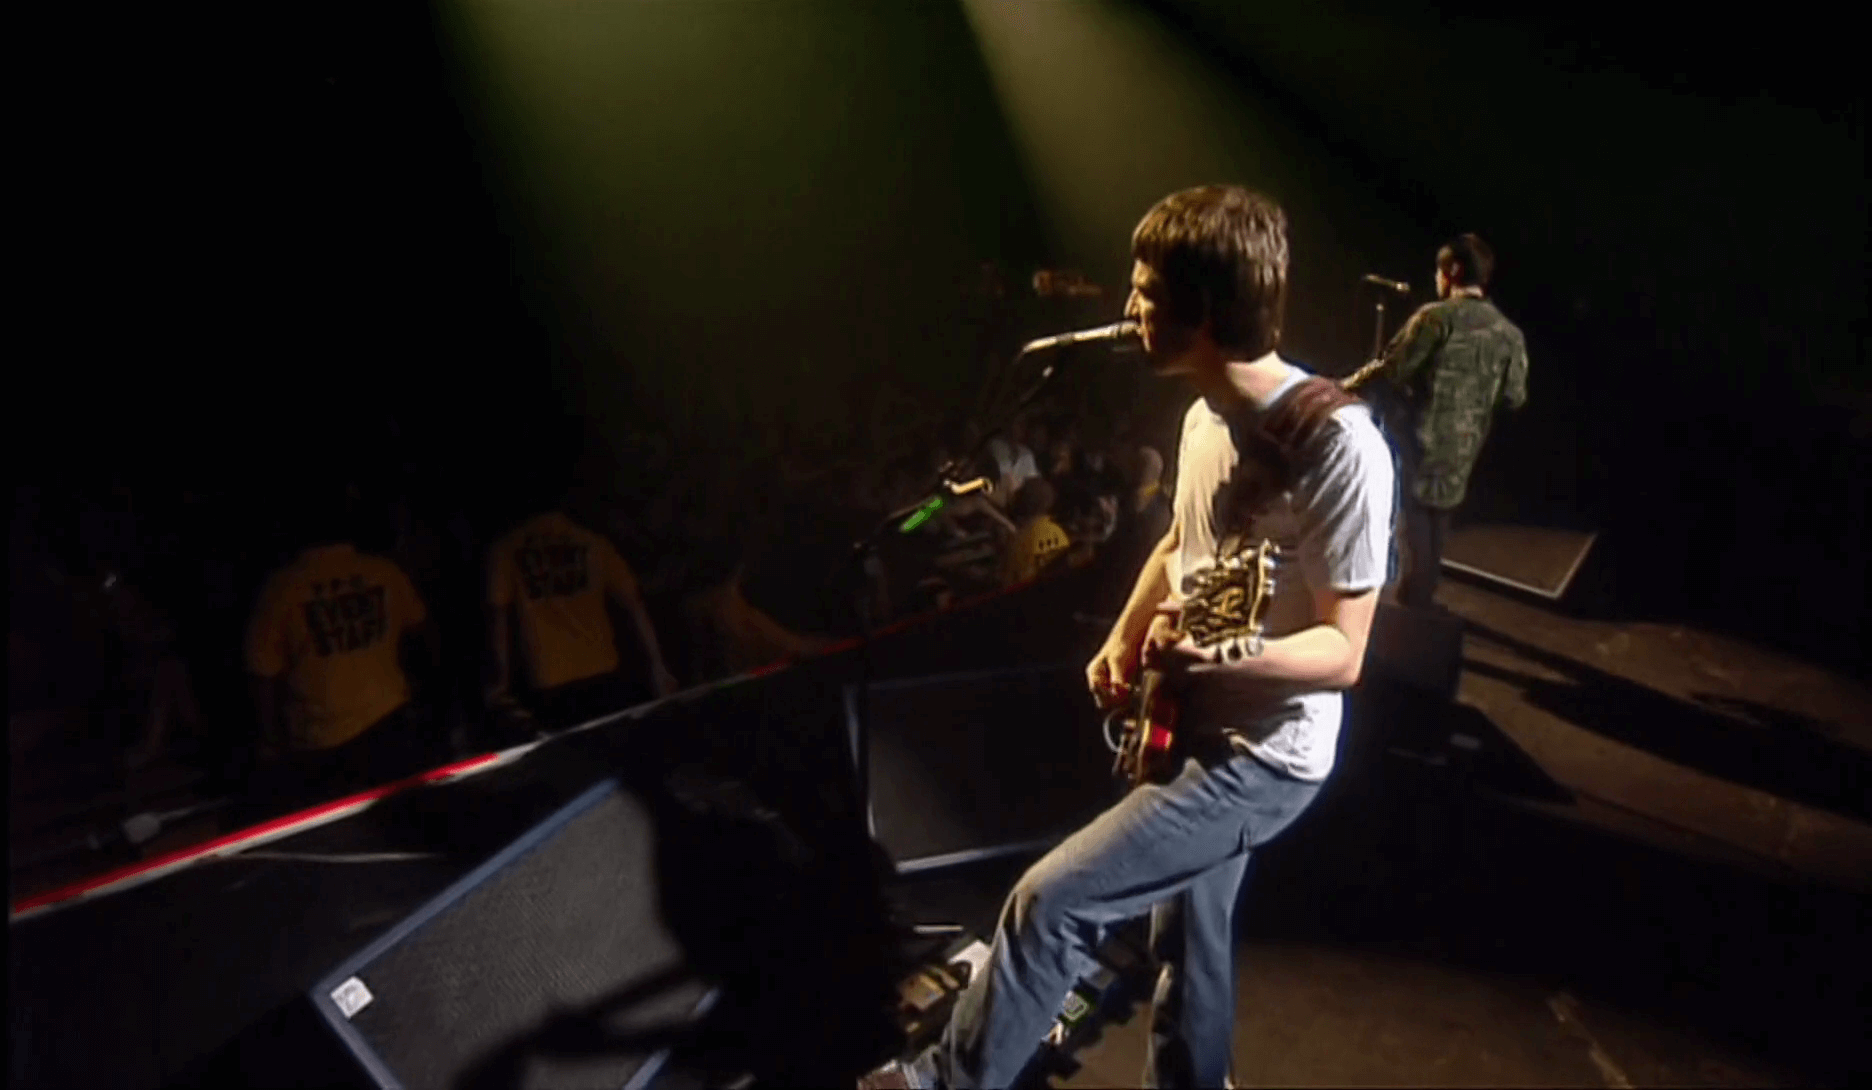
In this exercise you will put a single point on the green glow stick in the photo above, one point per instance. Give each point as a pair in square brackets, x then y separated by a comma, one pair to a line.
[923, 514]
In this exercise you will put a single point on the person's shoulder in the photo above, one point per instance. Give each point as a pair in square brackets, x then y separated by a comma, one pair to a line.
[531, 524]
[281, 580]
[1354, 433]
[1485, 316]
[599, 542]
[314, 564]
[578, 531]
[290, 566]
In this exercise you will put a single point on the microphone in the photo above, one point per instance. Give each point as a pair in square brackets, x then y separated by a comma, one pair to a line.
[1398, 286]
[1112, 332]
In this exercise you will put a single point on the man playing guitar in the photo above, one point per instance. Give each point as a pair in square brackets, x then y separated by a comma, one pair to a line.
[1260, 716]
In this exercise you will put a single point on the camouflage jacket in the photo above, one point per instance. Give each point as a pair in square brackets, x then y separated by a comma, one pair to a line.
[1451, 366]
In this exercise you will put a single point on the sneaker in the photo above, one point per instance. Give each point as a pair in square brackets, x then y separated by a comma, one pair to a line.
[892, 1076]
[917, 1074]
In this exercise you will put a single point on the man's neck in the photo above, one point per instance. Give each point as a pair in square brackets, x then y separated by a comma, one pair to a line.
[1231, 385]
[1464, 293]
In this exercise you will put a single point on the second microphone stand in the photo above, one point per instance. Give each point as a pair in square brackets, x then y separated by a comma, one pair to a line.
[1374, 361]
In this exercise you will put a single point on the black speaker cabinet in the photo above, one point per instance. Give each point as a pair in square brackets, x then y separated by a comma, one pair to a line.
[1421, 648]
[960, 767]
[548, 966]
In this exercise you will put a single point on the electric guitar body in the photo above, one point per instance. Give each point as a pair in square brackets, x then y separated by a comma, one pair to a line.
[1227, 602]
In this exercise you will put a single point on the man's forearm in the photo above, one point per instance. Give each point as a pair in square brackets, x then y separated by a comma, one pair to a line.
[1516, 393]
[1153, 585]
[1409, 350]
[1308, 661]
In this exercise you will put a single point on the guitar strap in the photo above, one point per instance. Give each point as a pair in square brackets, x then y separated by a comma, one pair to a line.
[1277, 442]
[1297, 418]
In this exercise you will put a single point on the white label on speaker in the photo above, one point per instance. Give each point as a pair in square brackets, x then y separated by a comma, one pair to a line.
[351, 996]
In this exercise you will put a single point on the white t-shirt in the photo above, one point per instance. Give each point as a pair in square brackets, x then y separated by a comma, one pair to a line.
[1016, 465]
[1334, 530]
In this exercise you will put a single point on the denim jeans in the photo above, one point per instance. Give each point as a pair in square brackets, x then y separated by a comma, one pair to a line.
[1179, 850]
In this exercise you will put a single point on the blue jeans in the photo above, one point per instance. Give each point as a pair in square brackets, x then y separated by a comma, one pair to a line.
[1179, 850]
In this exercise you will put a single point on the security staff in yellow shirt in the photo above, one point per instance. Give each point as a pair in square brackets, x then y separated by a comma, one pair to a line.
[327, 648]
[1038, 540]
[550, 580]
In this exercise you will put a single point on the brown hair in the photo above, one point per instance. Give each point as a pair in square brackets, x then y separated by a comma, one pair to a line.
[1467, 261]
[1221, 252]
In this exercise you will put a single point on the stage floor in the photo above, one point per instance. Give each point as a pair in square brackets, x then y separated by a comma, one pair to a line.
[1681, 921]
[1403, 934]
[1699, 742]
[1311, 1015]
[1550, 957]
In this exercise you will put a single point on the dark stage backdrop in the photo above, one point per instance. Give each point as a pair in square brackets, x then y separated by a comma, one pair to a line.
[258, 238]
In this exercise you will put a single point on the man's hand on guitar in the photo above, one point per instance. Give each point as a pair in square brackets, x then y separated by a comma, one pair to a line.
[1108, 675]
[1170, 651]
[1163, 633]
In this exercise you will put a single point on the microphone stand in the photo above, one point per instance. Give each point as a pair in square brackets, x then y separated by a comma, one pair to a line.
[1357, 378]
[948, 483]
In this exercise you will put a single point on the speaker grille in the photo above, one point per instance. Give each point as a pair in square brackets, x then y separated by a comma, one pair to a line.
[570, 924]
[973, 762]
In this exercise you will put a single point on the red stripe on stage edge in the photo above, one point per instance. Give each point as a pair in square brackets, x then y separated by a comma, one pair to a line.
[312, 817]
[308, 818]
[895, 627]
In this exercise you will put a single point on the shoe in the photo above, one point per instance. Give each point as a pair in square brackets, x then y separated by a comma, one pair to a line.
[918, 1074]
[892, 1076]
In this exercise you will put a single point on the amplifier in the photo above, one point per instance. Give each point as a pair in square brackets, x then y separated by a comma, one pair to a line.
[548, 966]
[1420, 648]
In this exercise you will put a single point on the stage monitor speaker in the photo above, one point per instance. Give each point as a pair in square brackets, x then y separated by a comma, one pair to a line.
[961, 767]
[1539, 560]
[557, 938]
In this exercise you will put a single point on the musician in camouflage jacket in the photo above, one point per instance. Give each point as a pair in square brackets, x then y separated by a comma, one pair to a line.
[1443, 377]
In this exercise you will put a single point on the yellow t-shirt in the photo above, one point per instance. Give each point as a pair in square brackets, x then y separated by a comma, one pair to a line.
[1034, 546]
[557, 574]
[330, 622]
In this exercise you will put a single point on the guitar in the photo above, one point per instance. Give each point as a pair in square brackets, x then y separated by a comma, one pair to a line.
[1228, 601]
[1391, 405]
[1358, 378]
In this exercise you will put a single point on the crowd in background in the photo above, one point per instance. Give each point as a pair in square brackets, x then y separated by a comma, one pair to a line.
[373, 623]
